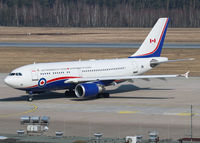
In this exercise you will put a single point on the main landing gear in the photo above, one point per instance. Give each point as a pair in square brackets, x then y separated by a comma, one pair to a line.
[69, 93]
[103, 95]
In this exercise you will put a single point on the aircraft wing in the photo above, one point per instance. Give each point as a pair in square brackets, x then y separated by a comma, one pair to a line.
[93, 79]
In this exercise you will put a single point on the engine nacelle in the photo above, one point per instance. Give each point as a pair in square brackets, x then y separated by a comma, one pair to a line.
[85, 90]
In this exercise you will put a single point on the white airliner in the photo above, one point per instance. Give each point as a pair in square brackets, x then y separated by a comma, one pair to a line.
[89, 78]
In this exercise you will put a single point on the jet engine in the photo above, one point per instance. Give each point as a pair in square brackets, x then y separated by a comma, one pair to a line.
[85, 90]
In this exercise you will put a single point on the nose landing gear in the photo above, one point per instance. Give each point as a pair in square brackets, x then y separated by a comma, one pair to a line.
[30, 96]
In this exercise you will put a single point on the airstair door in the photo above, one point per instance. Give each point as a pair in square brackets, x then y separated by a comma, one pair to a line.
[34, 74]
[76, 72]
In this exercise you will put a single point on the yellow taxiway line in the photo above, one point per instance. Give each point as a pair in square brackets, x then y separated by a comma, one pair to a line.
[21, 113]
[127, 112]
[186, 114]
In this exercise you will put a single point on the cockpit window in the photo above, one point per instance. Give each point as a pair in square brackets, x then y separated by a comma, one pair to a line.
[15, 74]
[12, 74]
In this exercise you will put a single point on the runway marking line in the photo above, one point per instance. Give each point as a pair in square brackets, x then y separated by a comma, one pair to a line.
[21, 113]
[186, 114]
[127, 112]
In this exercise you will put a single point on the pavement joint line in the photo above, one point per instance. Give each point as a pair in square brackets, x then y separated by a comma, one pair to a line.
[35, 107]
[127, 112]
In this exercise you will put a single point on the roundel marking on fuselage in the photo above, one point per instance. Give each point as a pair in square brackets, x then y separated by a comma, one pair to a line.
[42, 82]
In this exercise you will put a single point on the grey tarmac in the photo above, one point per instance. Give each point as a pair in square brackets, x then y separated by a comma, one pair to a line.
[133, 108]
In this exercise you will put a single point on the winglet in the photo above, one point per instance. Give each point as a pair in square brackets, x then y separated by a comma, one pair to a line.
[186, 75]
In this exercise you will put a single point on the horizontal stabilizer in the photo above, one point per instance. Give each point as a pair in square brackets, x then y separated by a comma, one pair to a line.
[168, 61]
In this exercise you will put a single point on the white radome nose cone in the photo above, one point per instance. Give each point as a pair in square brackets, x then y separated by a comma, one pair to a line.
[7, 81]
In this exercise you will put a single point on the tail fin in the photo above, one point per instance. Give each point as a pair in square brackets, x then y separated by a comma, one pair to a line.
[152, 45]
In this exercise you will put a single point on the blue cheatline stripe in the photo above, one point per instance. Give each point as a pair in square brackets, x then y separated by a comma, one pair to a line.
[58, 85]
[158, 51]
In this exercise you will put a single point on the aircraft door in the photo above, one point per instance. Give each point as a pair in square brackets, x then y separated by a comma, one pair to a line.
[76, 72]
[135, 68]
[34, 74]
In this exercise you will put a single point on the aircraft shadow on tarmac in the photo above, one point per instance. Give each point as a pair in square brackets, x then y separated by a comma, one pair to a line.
[130, 87]
[42, 96]
[120, 89]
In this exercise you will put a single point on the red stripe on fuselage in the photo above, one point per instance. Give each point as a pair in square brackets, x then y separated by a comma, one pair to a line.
[60, 78]
[55, 79]
[32, 86]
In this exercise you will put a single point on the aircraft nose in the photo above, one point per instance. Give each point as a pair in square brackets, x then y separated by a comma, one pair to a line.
[13, 82]
[7, 81]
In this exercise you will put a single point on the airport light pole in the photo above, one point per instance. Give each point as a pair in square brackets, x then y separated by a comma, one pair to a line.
[191, 124]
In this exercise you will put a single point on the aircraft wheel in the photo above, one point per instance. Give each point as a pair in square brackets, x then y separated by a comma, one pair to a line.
[103, 95]
[30, 99]
[98, 96]
[106, 95]
[69, 93]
